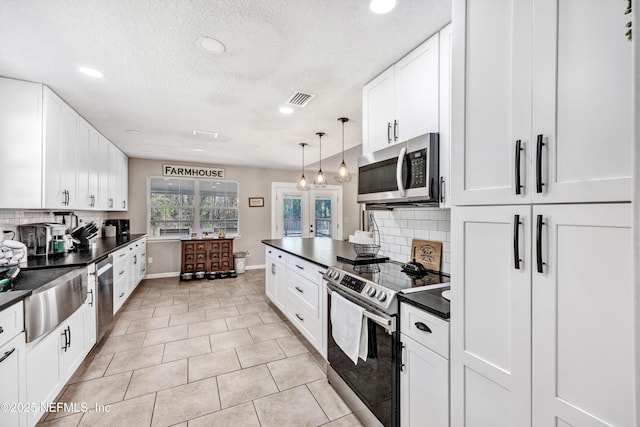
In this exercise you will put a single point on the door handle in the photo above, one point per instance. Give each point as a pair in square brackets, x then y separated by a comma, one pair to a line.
[517, 165]
[516, 241]
[442, 184]
[402, 364]
[388, 132]
[7, 354]
[539, 145]
[395, 130]
[300, 267]
[273, 269]
[399, 164]
[69, 329]
[91, 293]
[539, 225]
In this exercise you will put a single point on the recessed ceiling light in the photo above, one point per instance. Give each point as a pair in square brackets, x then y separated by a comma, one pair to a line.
[133, 131]
[210, 45]
[91, 72]
[205, 132]
[286, 110]
[382, 6]
[198, 149]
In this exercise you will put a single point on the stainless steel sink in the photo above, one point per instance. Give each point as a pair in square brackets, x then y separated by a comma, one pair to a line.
[57, 294]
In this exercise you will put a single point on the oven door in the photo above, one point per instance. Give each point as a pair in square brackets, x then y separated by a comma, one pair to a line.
[371, 388]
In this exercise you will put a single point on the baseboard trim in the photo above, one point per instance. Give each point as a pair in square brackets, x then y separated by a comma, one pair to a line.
[255, 267]
[162, 275]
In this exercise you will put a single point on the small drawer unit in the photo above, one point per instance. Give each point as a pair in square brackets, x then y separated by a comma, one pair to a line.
[206, 255]
[305, 268]
[276, 254]
[427, 329]
[306, 290]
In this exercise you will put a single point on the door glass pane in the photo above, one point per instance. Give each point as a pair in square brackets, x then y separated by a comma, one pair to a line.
[323, 217]
[292, 215]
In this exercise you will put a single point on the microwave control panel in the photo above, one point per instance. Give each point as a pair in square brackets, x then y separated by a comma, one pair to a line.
[417, 162]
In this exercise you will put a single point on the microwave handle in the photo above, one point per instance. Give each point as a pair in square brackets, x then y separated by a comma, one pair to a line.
[399, 180]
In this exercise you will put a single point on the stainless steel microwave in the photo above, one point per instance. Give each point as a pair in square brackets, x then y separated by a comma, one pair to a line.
[403, 174]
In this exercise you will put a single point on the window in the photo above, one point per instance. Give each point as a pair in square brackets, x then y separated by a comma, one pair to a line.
[180, 206]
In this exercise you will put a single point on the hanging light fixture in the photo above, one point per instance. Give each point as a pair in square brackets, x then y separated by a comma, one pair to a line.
[320, 180]
[343, 174]
[302, 185]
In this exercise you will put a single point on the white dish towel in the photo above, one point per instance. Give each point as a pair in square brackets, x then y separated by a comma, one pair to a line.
[349, 327]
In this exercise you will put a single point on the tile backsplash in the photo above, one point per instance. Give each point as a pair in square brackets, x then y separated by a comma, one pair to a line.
[399, 226]
[11, 218]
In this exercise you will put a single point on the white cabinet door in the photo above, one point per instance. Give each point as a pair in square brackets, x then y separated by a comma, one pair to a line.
[102, 202]
[122, 182]
[94, 167]
[582, 100]
[416, 92]
[21, 181]
[60, 152]
[583, 317]
[13, 374]
[277, 283]
[446, 43]
[490, 333]
[424, 386]
[114, 158]
[84, 195]
[42, 372]
[90, 310]
[378, 112]
[491, 100]
[71, 346]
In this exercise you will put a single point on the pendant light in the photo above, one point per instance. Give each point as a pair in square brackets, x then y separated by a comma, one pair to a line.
[320, 180]
[302, 185]
[343, 174]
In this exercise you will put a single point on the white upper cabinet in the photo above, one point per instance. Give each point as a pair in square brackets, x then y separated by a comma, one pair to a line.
[582, 101]
[377, 112]
[446, 43]
[402, 102]
[122, 191]
[51, 155]
[21, 144]
[60, 144]
[114, 159]
[538, 87]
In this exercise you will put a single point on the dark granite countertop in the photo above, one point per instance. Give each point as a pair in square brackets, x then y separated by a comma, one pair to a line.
[430, 301]
[321, 251]
[84, 256]
[7, 299]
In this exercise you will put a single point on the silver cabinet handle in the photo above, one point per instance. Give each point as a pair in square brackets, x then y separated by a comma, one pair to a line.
[91, 292]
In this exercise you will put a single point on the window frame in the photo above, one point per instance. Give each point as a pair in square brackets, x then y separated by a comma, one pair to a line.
[196, 206]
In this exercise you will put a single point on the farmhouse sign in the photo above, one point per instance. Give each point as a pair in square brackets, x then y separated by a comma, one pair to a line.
[192, 172]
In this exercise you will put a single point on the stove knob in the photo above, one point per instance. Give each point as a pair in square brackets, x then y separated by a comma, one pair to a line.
[382, 296]
[371, 291]
[335, 275]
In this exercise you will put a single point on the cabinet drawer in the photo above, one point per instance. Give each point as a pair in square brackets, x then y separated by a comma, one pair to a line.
[276, 254]
[304, 318]
[11, 322]
[120, 255]
[304, 289]
[436, 333]
[188, 248]
[305, 268]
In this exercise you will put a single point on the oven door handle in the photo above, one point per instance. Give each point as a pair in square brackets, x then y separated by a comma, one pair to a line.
[387, 323]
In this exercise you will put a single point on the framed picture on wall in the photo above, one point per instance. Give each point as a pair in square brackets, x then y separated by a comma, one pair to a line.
[256, 202]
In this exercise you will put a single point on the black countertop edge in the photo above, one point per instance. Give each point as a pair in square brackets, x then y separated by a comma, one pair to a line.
[429, 300]
[84, 256]
[7, 299]
[318, 250]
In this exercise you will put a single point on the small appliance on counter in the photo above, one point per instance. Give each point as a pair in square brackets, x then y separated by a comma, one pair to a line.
[121, 228]
[43, 238]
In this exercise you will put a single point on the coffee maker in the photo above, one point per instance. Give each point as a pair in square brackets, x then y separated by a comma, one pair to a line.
[43, 238]
[122, 227]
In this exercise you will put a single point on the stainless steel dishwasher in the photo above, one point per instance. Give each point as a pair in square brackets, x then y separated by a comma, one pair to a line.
[104, 288]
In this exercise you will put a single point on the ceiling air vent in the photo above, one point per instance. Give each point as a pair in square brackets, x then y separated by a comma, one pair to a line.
[300, 98]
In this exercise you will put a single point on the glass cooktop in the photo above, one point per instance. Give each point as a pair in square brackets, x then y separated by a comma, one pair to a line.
[390, 275]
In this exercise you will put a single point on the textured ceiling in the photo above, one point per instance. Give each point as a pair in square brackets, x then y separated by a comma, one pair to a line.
[159, 82]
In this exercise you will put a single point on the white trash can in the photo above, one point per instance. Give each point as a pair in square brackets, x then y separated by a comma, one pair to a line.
[239, 261]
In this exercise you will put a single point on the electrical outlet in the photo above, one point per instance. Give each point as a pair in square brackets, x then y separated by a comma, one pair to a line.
[150, 260]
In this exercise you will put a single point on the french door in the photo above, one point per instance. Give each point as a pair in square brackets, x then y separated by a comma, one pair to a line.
[313, 213]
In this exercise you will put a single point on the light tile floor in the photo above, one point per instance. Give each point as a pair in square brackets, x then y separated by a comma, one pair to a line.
[203, 353]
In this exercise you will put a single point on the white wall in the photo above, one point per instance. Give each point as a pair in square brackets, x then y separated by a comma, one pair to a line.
[399, 226]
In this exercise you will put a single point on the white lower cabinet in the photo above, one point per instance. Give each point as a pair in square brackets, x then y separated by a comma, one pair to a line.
[129, 267]
[12, 365]
[52, 360]
[295, 286]
[424, 376]
[543, 327]
[90, 309]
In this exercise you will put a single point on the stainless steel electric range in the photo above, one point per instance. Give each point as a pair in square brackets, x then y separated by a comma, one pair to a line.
[371, 388]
